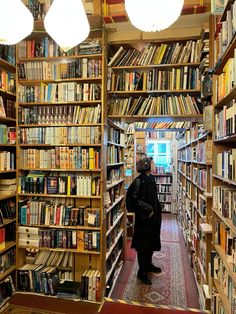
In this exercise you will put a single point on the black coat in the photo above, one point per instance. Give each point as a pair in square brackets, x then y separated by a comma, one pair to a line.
[146, 229]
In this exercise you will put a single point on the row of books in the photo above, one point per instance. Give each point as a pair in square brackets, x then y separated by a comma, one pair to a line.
[7, 186]
[69, 184]
[7, 81]
[176, 79]
[163, 180]
[226, 80]
[61, 158]
[59, 92]
[113, 215]
[225, 121]
[48, 213]
[157, 54]
[113, 175]
[37, 278]
[7, 161]
[224, 200]
[220, 272]
[114, 135]
[200, 177]
[7, 288]
[226, 164]
[62, 260]
[164, 198]
[8, 108]
[7, 260]
[59, 115]
[7, 210]
[39, 9]
[91, 285]
[129, 139]
[46, 47]
[114, 154]
[81, 240]
[112, 237]
[164, 188]
[7, 134]
[202, 152]
[43, 70]
[60, 135]
[190, 134]
[162, 105]
[8, 53]
[225, 32]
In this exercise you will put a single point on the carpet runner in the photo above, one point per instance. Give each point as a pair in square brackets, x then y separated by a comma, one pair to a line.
[171, 286]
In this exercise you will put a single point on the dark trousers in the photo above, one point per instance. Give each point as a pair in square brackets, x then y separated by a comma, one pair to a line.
[144, 259]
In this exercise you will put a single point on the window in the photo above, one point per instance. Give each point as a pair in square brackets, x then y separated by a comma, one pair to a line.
[160, 151]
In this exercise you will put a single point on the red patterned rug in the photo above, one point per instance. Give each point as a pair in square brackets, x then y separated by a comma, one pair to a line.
[168, 287]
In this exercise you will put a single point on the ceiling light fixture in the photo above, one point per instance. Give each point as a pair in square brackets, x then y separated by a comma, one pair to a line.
[153, 15]
[16, 22]
[67, 23]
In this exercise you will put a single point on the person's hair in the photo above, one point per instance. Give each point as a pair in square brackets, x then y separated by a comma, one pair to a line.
[144, 164]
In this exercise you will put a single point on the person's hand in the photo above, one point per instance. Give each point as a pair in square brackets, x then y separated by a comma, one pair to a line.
[151, 214]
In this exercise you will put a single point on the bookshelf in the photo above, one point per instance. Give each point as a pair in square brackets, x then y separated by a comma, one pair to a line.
[7, 171]
[224, 232]
[62, 153]
[194, 201]
[164, 182]
[157, 83]
[115, 213]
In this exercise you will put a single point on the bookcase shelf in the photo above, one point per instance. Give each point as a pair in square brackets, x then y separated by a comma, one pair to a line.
[8, 94]
[7, 222]
[161, 66]
[58, 195]
[114, 244]
[59, 170]
[7, 66]
[114, 224]
[119, 199]
[6, 119]
[4, 197]
[160, 118]
[225, 100]
[222, 295]
[231, 182]
[8, 245]
[64, 58]
[153, 92]
[90, 207]
[8, 272]
[82, 102]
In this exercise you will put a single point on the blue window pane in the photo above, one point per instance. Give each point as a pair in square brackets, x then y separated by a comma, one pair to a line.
[150, 148]
[162, 148]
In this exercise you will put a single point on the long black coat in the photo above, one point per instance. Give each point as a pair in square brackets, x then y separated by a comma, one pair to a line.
[147, 229]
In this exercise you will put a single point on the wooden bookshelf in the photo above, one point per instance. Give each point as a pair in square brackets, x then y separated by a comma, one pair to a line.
[8, 172]
[194, 208]
[223, 179]
[92, 260]
[115, 213]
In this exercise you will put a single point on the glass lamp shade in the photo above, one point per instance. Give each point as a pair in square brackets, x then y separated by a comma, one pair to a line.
[153, 15]
[67, 23]
[16, 22]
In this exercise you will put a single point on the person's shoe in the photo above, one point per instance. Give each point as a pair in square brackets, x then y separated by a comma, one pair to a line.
[154, 269]
[144, 278]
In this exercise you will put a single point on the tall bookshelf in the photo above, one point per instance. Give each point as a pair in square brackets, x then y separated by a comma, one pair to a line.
[62, 161]
[156, 83]
[164, 182]
[224, 180]
[194, 199]
[115, 213]
[7, 171]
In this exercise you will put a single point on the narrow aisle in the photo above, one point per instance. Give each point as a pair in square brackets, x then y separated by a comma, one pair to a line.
[175, 286]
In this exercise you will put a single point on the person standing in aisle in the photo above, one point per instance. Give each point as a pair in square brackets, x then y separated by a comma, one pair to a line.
[148, 216]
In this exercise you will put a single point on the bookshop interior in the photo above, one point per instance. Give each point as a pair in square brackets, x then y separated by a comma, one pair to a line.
[88, 88]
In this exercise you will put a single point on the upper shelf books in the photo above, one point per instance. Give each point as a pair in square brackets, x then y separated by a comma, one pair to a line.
[153, 54]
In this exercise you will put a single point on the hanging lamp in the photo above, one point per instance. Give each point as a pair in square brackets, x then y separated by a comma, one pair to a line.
[153, 15]
[16, 22]
[67, 23]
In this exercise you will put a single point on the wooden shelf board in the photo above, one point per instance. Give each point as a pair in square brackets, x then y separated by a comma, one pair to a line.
[81, 102]
[38, 82]
[115, 223]
[227, 221]
[206, 228]
[7, 171]
[62, 227]
[151, 66]
[4, 197]
[58, 249]
[7, 66]
[226, 99]
[7, 93]
[115, 144]
[58, 125]
[70, 170]
[114, 244]
[54, 145]
[7, 222]
[229, 265]
[223, 296]
[6, 119]
[120, 198]
[224, 179]
[115, 164]
[109, 186]
[7, 272]
[164, 91]
[8, 245]
[231, 138]
[160, 118]
[57, 195]
[60, 58]
[108, 275]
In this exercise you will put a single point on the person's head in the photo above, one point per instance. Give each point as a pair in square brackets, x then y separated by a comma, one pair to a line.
[145, 165]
